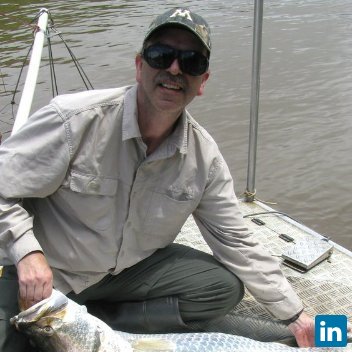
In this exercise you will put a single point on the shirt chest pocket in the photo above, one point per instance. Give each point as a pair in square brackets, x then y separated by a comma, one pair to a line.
[91, 199]
[167, 212]
[94, 185]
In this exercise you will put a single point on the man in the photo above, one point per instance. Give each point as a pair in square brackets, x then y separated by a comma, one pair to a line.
[108, 178]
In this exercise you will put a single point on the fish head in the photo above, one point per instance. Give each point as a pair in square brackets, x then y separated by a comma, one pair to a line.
[46, 322]
[58, 324]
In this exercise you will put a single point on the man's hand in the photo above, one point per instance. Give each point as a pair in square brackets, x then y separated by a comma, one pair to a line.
[35, 279]
[303, 329]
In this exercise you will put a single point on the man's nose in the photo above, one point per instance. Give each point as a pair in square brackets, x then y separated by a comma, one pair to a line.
[175, 67]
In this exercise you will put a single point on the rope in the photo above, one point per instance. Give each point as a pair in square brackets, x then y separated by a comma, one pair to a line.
[19, 77]
[251, 195]
[53, 79]
[80, 70]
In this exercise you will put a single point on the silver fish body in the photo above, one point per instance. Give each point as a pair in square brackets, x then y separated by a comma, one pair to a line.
[58, 324]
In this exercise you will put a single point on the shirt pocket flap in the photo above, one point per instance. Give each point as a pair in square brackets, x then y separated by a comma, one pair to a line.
[91, 184]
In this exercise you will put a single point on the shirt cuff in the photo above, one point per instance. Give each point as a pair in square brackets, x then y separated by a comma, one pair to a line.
[24, 245]
[287, 308]
[291, 320]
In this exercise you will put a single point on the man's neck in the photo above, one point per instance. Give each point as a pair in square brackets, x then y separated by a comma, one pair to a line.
[155, 130]
[155, 126]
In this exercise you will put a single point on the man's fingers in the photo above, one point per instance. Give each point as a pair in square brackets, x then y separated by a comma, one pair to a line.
[47, 290]
[35, 278]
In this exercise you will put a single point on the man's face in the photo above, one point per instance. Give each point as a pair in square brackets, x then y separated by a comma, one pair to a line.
[170, 89]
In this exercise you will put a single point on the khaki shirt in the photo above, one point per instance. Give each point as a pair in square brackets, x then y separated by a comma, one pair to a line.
[94, 203]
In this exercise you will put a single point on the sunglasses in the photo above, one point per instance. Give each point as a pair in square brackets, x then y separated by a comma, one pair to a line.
[161, 56]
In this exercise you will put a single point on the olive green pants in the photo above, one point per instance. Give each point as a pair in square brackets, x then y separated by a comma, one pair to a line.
[205, 289]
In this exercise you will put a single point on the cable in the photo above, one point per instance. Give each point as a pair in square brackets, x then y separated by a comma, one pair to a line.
[2, 81]
[270, 212]
[80, 70]
[54, 85]
[53, 79]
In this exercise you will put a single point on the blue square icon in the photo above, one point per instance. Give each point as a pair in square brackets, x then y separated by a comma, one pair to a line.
[331, 331]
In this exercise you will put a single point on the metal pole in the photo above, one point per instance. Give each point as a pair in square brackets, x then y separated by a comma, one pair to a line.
[32, 74]
[254, 107]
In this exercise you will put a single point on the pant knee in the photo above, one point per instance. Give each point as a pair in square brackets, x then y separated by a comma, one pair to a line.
[216, 299]
[233, 291]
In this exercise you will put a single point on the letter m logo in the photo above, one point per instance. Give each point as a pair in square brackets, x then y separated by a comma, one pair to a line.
[182, 13]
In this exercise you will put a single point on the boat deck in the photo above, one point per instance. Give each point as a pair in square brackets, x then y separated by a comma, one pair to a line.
[324, 289]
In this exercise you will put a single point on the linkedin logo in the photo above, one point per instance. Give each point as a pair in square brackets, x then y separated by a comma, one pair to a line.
[331, 331]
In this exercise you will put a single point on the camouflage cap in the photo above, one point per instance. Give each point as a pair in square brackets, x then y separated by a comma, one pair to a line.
[182, 17]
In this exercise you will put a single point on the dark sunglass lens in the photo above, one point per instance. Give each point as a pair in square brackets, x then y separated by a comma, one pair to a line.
[193, 63]
[159, 56]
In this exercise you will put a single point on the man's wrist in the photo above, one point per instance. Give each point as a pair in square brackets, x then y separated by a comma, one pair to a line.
[291, 320]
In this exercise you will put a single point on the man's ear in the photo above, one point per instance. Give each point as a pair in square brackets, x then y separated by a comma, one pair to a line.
[138, 62]
[205, 77]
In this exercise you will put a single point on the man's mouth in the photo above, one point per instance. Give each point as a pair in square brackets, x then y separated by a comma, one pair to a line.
[172, 86]
[171, 82]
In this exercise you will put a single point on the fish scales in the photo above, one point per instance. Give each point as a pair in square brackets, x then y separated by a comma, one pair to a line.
[58, 324]
[221, 342]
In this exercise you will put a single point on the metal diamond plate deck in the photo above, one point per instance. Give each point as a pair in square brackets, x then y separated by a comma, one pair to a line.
[324, 289]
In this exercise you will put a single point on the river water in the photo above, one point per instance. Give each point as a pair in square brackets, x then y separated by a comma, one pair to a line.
[305, 130]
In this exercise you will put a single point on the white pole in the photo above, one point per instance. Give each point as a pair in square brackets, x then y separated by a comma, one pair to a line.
[254, 108]
[32, 74]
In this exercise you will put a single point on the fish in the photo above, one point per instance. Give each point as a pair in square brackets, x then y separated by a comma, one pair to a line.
[58, 324]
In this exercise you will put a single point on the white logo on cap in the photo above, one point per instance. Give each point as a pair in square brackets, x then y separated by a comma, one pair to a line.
[182, 13]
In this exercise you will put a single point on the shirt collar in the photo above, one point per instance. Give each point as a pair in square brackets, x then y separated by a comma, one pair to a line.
[179, 137]
[130, 129]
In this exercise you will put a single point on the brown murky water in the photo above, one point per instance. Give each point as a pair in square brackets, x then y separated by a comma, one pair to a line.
[305, 132]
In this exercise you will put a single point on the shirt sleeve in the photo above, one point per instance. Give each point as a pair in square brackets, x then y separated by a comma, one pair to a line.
[33, 163]
[222, 226]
